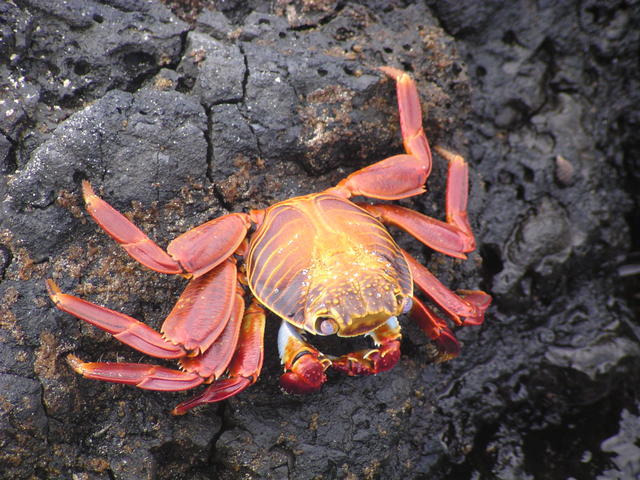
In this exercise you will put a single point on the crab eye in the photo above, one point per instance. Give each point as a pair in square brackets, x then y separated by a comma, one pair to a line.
[326, 326]
[408, 303]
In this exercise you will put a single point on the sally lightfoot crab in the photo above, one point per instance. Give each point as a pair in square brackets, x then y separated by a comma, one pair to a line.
[322, 263]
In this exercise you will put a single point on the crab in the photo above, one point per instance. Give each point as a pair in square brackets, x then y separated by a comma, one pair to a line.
[324, 264]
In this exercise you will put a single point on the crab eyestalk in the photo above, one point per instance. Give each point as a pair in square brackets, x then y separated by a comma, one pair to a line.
[327, 326]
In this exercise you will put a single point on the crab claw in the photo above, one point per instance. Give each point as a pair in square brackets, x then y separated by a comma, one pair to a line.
[304, 365]
[306, 375]
[369, 362]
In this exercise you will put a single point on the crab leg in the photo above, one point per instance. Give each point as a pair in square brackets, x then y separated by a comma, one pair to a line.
[399, 176]
[148, 377]
[244, 368]
[304, 366]
[203, 368]
[471, 305]
[213, 362]
[193, 253]
[203, 247]
[440, 236]
[123, 327]
[454, 237]
[457, 193]
[436, 329]
[198, 318]
[481, 300]
[375, 360]
[202, 311]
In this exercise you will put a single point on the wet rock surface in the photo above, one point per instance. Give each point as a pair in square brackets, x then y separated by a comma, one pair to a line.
[176, 123]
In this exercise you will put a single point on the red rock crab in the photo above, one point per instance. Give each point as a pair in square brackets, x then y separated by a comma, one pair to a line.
[322, 263]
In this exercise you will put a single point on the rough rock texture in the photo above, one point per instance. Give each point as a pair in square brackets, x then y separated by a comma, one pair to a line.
[177, 123]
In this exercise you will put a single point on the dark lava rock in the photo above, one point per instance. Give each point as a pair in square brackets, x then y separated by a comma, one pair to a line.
[123, 138]
[253, 103]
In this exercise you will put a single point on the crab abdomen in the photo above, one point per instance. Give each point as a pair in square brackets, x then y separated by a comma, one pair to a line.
[320, 256]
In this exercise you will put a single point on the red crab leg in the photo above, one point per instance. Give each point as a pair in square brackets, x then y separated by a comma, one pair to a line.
[205, 246]
[304, 366]
[153, 377]
[457, 193]
[471, 307]
[244, 368]
[436, 329]
[203, 309]
[480, 300]
[148, 377]
[194, 252]
[198, 318]
[399, 176]
[123, 327]
[213, 362]
[375, 360]
[445, 298]
[438, 235]
[453, 237]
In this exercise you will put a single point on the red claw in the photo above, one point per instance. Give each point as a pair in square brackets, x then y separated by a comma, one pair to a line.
[306, 375]
[304, 366]
[369, 362]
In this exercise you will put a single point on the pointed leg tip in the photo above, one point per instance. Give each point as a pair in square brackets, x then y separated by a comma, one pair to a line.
[480, 300]
[76, 364]
[86, 187]
[87, 192]
[216, 392]
[449, 156]
[390, 71]
[52, 289]
[447, 345]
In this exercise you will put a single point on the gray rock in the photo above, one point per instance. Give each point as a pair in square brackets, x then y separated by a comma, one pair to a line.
[81, 48]
[124, 143]
[218, 69]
